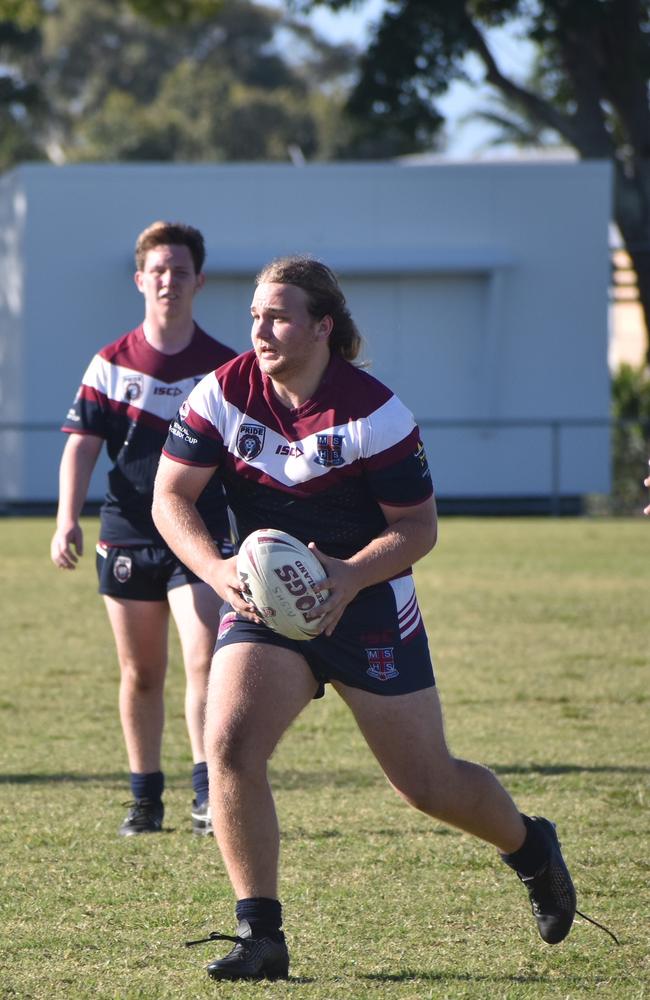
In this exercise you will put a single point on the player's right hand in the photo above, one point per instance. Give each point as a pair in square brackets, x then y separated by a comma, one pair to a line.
[67, 546]
[225, 580]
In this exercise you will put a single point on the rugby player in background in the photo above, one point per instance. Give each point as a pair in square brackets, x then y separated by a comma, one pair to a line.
[127, 397]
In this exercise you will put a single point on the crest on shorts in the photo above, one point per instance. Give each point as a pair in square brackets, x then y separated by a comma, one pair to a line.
[250, 441]
[133, 386]
[122, 568]
[329, 449]
[381, 663]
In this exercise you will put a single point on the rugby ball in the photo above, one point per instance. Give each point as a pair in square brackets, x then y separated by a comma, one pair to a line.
[278, 573]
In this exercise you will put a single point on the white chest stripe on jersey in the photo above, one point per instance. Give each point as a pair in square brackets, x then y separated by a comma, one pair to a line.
[289, 463]
[299, 461]
[126, 385]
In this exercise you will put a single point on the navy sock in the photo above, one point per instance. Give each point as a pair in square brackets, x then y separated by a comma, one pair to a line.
[533, 853]
[200, 782]
[263, 914]
[147, 786]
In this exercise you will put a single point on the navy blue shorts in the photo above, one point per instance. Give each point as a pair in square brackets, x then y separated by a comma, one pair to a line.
[379, 645]
[144, 572]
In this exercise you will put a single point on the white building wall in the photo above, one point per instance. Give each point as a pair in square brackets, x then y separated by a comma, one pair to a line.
[481, 290]
[12, 335]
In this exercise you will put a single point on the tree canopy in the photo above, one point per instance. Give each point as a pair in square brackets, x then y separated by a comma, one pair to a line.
[590, 84]
[192, 80]
[29, 13]
[232, 79]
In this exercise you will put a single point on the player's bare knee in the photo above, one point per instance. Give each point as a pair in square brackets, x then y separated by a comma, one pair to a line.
[427, 800]
[141, 679]
[232, 748]
[431, 788]
[197, 672]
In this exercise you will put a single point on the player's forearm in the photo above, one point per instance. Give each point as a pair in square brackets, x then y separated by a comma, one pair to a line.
[75, 472]
[398, 547]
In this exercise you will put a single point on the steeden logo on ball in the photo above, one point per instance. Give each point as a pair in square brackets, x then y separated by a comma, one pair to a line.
[280, 574]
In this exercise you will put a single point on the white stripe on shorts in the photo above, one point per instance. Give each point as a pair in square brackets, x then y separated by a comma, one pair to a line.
[408, 612]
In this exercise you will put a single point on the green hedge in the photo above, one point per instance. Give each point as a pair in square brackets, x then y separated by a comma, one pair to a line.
[630, 438]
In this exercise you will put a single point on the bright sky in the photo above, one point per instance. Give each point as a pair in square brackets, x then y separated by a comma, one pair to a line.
[464, 139]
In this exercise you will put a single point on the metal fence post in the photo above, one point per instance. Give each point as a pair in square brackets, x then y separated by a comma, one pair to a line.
[555, 429]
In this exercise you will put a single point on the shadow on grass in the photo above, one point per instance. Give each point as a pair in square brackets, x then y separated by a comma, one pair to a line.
[281, 779]
[45, 779]
[300, 780]
[461, 977]
[567, 769]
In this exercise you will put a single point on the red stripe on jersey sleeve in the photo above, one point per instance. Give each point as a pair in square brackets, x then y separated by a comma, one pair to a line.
[186, 461]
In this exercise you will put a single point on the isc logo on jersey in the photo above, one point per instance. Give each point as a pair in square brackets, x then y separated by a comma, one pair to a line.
[292, 450]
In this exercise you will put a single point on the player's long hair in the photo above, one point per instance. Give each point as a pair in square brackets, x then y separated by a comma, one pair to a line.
[170, 233]
[324, 298]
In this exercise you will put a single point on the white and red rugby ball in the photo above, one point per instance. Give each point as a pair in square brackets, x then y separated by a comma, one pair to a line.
[278, 573]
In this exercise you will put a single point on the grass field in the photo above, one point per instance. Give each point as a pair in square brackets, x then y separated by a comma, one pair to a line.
[539, 630]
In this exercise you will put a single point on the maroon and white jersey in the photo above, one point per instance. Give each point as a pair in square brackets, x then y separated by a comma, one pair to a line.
[128, 395]
[319, 471]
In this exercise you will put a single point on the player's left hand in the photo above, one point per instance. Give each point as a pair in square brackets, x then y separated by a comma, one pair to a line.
[646, 482]
[343, 582]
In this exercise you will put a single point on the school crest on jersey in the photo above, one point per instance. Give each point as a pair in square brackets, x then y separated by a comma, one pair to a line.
[329, 449]
[381, 663]
[133, 386]
[250, 441]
